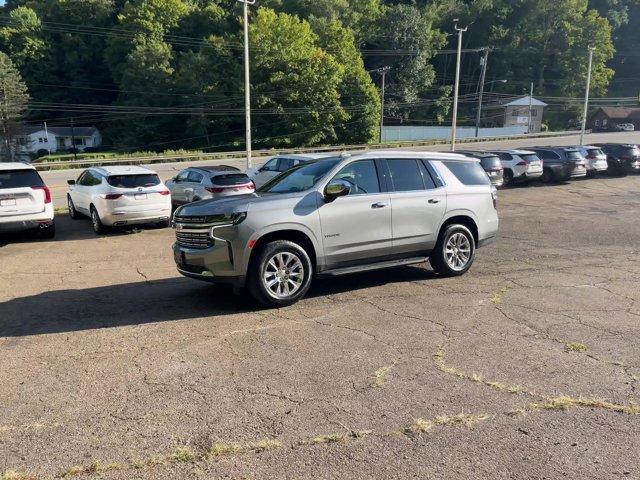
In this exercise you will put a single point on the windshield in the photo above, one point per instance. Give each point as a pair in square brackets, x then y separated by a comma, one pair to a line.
[134, 181]
[300, 178]
[19, 179]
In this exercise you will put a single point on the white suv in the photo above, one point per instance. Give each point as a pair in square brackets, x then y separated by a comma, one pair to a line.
[25, 201]
[520, 165]
[115, 196]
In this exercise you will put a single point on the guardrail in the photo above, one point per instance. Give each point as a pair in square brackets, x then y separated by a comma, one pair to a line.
[238, 155]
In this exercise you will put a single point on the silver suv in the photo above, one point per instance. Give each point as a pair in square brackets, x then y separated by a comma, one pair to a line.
[340, 215]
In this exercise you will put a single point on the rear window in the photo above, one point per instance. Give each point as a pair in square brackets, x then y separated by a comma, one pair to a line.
[20, 179]
[134, 181]
[230, 179]
[630, 151]
[491, 163]
[573, 155]
[594, 152]
[469, 173]
[531, 157]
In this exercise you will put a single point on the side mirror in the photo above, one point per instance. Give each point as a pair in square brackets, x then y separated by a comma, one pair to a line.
[335, 189]
[71, 182]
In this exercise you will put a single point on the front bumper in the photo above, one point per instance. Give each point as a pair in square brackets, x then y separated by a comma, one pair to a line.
[215, 264]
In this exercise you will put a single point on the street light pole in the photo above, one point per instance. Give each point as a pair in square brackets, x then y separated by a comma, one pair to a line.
[247, 80]
[483, 75]
[382, 71]
[586, 97]
[454, 121]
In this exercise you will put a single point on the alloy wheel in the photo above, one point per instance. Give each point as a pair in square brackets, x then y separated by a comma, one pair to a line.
[284, 275]
[458, 251]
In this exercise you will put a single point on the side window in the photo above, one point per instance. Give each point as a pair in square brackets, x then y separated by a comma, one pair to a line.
[182, 176]
[285, 164]
[405, 175]
[469, 173]
[195, 177]
[95, 179]
[271, 165]
[426, 177]
[82, 178]
[362, 176]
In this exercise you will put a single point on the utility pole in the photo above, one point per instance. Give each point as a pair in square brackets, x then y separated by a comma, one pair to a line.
[382, 71]
[457, 86]
[586, 97]
[46, 137]
[483, 75]
[247, 80]
[5, 121]
[73, 140]
[530, 108]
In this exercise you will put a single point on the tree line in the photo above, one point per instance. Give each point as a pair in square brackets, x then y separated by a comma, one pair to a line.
[168, 74]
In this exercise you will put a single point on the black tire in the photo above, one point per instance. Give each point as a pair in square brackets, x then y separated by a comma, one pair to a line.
[49, 231]
[548, 176]
[73, 213]
[258, 270]
[508, 178]
[438, 257]
[98, 227]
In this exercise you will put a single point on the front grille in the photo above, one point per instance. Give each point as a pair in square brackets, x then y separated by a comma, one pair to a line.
[194, 239]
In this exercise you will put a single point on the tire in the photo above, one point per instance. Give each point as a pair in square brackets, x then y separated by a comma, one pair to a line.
[73, 213]
[48, 232]
[508, 178]
[268, 266]
[450, 249]
[548, 176]
[98, 227]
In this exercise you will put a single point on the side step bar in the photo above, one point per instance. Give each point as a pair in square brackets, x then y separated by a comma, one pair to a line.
[373, 266]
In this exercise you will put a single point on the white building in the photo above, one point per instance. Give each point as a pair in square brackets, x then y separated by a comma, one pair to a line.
[32, 140]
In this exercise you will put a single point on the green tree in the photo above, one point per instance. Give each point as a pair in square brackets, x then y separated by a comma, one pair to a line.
[14, 99]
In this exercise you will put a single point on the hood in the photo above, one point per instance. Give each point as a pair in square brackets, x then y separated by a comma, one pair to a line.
[233, 204]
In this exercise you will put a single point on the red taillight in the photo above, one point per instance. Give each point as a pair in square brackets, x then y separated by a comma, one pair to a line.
[47, 193]
[112, 196]
[164, 192]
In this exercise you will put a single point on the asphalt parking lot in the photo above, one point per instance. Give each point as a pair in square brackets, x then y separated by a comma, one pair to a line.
[115, 367]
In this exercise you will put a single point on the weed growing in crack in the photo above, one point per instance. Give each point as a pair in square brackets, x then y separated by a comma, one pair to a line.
[461, 418]
[380, 376]
[221, 448]
[186, 454]
[14, 475]
[497, 297]
[575, 347]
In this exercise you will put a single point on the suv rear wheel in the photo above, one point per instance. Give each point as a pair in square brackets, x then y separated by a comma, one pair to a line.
[280, 274]
[454, 252]
[98, 227]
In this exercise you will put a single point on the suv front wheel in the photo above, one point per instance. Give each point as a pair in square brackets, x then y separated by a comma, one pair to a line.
[280, 274]
[454, 252]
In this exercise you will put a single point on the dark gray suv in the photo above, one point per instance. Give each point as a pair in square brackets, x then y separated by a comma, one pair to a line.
[561, 163]
[337, 216]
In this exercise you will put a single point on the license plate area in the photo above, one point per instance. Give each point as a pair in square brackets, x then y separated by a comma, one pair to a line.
[140, 196]
[7, 201]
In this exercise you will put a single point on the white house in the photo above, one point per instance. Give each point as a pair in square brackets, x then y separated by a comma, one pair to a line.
[32, 140]
[515, 112]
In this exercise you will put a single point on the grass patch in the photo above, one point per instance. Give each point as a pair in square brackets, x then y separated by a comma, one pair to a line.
[497, 297]
[460, 419]
[186, 454]
[380, 376]
[221, 448]
[14, 475]
[94, 467]
[575, 347]
[419, 426]
[330, 438]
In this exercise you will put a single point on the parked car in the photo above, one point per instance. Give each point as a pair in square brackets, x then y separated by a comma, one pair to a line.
[520, 165]
[340, 215]
[625, 127]
[25, 201]
[201, 183]
[595, 157]
[115, 196]
[622, 158]
[278, 165]
[561, 163]
[491, 164]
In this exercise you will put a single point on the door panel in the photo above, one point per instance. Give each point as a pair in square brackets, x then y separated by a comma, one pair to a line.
[356, 229]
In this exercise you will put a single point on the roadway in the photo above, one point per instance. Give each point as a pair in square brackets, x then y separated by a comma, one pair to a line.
[57, 179]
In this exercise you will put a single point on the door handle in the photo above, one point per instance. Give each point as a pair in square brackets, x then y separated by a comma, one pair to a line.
[434, 200]
[379, 205]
